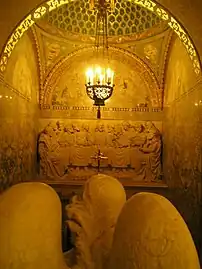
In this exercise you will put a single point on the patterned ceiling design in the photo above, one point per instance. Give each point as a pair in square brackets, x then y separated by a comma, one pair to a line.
[126, 19]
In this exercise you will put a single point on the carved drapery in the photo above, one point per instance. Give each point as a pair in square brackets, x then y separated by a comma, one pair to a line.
[67, 150]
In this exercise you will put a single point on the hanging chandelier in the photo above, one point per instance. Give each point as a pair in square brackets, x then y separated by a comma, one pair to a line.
[100, 78]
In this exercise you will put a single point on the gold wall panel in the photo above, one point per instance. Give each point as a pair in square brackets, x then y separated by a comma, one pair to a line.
[180, 77]
[18, 116]
[22, 69]
[182, 129]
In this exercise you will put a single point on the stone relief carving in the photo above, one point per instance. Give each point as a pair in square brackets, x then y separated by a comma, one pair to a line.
[133, 150]
[92, 219]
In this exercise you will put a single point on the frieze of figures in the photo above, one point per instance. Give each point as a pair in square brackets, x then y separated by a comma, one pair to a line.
[132, 150]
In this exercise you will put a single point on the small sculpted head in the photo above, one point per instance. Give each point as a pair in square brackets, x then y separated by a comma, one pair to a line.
[126, 126]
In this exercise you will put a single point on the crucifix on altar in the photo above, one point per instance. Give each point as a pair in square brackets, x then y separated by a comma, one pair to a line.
[99, 156]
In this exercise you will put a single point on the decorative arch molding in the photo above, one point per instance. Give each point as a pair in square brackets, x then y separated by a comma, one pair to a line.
[50, 5]
[150, 80]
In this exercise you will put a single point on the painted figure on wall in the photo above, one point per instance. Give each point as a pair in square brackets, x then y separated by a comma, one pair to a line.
[53, 51]
[180, 76]
[151, 53]
[133, 82]
[22, 76]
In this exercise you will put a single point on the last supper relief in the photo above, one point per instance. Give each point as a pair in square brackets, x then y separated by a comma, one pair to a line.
[68, 150]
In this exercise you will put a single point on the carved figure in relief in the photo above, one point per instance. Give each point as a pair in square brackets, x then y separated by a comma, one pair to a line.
[80, 138]
[149, 128]
[111, 136]
[51, 163]
[152, 151]
[122, 153]
[44, 144]
[128, 146]
[59, 130]
[124, 139]
[100, 135]
[75, 128]
[92, 219]
[136, 141]
[82, 151]
[89, 137]
[66, 140]
[83, 136]
[140, 137]
[110, 146]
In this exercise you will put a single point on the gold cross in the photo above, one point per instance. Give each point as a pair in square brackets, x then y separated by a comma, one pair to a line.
[100, 156]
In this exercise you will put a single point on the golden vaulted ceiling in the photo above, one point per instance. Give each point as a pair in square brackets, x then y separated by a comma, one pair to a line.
[138, 41]
[126, 19]
[186, 12]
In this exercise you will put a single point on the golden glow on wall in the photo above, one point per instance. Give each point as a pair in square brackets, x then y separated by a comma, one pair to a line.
[187, 43]
[53, 4]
